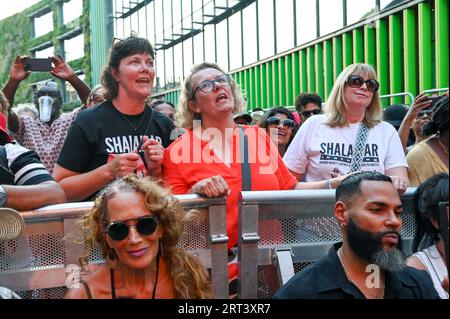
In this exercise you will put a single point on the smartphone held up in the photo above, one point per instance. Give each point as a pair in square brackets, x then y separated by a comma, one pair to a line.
[37, 65]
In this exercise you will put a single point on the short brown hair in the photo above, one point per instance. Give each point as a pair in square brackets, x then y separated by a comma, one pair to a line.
[119, 51]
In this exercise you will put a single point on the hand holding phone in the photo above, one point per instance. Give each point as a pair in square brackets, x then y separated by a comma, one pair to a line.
[39, 65]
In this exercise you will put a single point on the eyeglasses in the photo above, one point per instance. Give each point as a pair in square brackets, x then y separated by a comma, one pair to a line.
[312, 112]
[356, 81]
[275, 121]
[208, 85]
[426, 112]
[119, 230]
[97, 99]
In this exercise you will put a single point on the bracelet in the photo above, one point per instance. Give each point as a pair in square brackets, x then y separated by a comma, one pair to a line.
[328, 183]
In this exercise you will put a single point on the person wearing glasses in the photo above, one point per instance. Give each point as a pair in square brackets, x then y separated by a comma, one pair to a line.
[121, 135]
[280, 126]
[430, 156]
[351, 135]
[308, 104]
[97, 96]
[428, 244]
[208, 158]
[137, 225]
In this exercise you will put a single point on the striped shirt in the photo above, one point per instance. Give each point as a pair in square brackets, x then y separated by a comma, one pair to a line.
[26, 166]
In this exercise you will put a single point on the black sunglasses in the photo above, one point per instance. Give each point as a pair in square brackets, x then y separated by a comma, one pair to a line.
[275, 121]
[356, 81]
[309, 113]
[424, 112]
[209, 85]
[119, 230]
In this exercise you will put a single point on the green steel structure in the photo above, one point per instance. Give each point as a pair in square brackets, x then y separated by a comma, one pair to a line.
[48, 27]
[406, 42]
[408, 47]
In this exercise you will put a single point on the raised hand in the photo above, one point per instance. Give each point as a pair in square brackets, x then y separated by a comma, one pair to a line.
[17, 72]
[61, 70]
[421, 102]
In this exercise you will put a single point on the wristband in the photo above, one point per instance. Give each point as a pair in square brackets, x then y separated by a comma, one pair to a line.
[328, 183]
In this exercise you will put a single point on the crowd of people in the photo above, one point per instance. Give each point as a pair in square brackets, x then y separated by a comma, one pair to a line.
[130, 154]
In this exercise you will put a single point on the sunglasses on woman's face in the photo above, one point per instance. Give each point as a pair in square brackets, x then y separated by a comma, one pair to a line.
[356, 81]
[309, 113]
[119, 230]
[275, 121]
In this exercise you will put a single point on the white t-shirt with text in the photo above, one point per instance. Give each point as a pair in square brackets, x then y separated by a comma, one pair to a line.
[318, 149]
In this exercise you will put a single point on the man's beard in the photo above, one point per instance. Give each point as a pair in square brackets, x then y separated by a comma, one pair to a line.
[368, 246]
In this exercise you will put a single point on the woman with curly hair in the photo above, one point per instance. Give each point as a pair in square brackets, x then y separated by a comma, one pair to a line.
[137, 225]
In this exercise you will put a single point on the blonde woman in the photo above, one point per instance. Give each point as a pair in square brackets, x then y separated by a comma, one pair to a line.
[137, 225]
[326, 145]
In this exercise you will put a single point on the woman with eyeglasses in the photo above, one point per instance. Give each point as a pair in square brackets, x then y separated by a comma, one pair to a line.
[430, 156]
[120, 136]
[209, 159]
[137, 225]
[280, 126]
[350, 136]
[97, 96]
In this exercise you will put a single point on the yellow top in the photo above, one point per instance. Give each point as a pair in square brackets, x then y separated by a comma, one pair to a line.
[423, 163]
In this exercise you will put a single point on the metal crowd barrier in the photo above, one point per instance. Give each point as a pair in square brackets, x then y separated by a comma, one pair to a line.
[411, 96]
[282, 232]
[37, 264]
[437, 90]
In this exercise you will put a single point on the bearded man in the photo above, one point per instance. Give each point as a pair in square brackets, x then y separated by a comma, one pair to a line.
[369, 263]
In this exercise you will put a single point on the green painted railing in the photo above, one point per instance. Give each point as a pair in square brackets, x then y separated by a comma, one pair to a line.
[407, 46]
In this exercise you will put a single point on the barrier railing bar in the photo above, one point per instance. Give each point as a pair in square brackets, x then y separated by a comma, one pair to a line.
[435, 90]
[248, 251]
[219, 250]
[411, 96]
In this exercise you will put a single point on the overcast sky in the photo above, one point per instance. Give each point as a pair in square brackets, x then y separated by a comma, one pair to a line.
[11, 7]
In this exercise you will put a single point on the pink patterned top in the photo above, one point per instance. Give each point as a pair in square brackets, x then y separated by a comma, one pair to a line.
[44, 139]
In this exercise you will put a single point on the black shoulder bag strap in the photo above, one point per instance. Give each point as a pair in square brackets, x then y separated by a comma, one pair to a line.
[245, 163]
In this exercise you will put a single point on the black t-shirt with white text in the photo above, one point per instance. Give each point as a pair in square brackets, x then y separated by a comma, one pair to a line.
[98, 134]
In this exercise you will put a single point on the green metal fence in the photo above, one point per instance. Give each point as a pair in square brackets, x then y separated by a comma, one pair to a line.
[407, 46]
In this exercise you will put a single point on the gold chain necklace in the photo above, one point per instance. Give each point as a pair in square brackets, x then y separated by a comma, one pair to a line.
[135, 128]
[339, 254]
